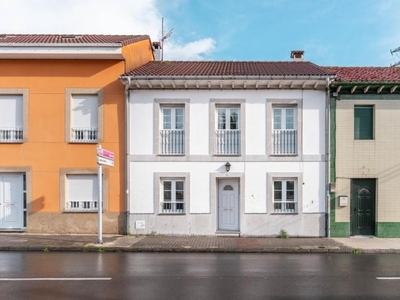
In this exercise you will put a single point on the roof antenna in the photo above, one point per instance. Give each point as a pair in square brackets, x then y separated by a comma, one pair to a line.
[394, 51]
[164, 37]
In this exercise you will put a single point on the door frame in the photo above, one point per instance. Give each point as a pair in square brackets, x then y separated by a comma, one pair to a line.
[220, 183]
[19, 201]
[214, 179]
[27, 171]
[353, 204]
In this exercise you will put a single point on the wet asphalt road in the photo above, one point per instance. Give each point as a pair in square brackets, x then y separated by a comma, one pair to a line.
[37, 275]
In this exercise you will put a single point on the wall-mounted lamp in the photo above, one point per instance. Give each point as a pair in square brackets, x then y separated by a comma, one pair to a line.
[228, 166]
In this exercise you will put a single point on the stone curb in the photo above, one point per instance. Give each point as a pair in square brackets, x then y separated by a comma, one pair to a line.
[289, 250]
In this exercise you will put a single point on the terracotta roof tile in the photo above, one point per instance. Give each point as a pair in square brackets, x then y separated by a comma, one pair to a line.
[63, 39]
[365, 74]
[227, 68]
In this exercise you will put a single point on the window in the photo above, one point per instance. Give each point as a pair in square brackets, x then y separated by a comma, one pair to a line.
[363, 122]
[84, 118]
[228, 132]
[171, 125]
[11, 115]
[82, 191]
[172, 134]
[173, 198]
[284, 196]
[284, 132]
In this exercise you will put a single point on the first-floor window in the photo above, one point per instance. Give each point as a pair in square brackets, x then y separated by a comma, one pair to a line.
[82, 193]
[84, 118]
[11, 115]
[173, 199]
[284, 196]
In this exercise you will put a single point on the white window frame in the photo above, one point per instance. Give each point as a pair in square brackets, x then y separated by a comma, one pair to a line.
[79, 207]
[172, 139]
[173, 205]
[298, 192]
[69, 93]
[158, 126]
[284, 104]
[16, 136]
[159, 179]
[216, 104]
[287, 205]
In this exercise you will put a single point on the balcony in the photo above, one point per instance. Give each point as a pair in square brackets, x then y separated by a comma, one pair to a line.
[81, 206]
[84, 135]
[172, 141]
[172, 208]
[227, 142]
[284, 142]
[11, 135]
[285, 207]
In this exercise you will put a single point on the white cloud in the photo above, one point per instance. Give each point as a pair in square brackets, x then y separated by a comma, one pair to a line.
[95, 17]
[196, 50]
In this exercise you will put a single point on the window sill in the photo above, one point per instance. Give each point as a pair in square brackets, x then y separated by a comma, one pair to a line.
[13, 142]
[284, 155]
[290, 214]
[81, 212]
[91, 142]
[177, 154]
[172, 214]
[231, 155]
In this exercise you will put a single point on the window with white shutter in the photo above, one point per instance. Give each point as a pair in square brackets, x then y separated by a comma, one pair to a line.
[81, 193]
[11, 118]
[84, 118]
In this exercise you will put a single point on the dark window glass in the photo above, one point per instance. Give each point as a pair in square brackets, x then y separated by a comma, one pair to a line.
[363, 122]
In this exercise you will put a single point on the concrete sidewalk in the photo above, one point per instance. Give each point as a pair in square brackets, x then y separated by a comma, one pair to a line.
[159, 243]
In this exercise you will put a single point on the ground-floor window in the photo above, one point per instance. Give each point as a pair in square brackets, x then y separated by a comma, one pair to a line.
[284, 196]
[173, 198]
[82, 192]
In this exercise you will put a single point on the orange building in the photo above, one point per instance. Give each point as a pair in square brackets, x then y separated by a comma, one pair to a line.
[60, 96]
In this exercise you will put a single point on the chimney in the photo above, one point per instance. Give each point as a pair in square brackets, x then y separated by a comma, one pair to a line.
[297, 55]
[157, 51]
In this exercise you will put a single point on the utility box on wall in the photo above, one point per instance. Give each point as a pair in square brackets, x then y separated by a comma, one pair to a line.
[343, 201]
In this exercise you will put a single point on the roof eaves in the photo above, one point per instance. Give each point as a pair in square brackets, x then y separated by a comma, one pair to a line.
[60, 45]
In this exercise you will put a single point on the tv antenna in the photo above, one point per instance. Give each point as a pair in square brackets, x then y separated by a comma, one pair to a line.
[394, 51]
[164, 37]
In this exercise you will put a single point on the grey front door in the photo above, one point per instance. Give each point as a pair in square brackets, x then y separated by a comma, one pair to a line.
[362, 207]
[228, 204]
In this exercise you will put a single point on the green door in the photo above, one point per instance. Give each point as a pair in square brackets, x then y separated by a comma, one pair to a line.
[362, 207]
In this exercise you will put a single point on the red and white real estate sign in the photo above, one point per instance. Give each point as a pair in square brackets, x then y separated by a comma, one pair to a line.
[105, 157]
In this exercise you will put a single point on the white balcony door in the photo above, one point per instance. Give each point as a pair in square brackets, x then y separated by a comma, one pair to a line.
[227, 132]
[228, 205]
[11, 201]
[172, 133]
[284, 134]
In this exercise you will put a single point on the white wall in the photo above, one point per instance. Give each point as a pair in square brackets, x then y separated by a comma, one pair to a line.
[255, 165]
[313, 122]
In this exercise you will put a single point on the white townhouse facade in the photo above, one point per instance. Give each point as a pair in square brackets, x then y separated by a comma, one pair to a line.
[227, 148]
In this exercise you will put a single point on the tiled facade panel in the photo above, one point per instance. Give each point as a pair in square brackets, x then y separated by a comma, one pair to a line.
[377, 159]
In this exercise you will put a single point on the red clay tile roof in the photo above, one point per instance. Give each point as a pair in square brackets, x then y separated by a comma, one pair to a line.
[65, 39]
[365, 74]
[227, 68]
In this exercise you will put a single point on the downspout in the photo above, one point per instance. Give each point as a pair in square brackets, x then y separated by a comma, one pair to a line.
[127, 82]
[327, 159]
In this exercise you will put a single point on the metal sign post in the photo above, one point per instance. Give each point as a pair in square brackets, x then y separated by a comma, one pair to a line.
[100, 203]
[104, 157]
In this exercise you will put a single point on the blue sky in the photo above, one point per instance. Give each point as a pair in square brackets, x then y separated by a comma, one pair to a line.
[332, 32]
